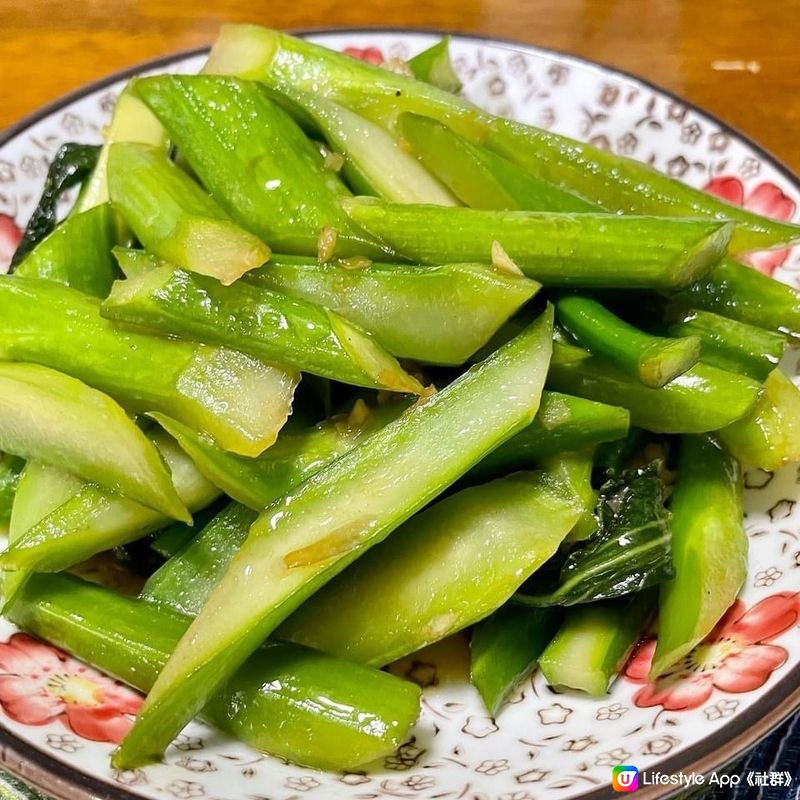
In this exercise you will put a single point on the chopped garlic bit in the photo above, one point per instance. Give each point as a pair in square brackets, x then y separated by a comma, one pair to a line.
[502, 261]
[359, 414]
[425, 395]
[404, 145]
[333, 161]
[355, 262]
[398, 66]
[326, 244]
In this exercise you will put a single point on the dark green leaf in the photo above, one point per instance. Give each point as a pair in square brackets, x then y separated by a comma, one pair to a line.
[630, 550]
[73, 163]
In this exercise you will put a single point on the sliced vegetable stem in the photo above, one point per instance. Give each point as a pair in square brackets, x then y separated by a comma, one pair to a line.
[175, 219]
[654, 360]
[580, 250]
[593, 643]
[285, 700]
[262, 323]
[300, 543]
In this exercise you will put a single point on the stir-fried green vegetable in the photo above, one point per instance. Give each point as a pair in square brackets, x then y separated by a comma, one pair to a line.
[411, 590]
[505, 647]
[732, 345]
[257, 164]
[256, 482]
[593, 643]
[703, 399]
[77, 253]
[94, 520]
[481, 178]
[502, 299]
[582, 250]
[768, 436]
[49, 416]
[373, 160]
[615, 183]
[745, 294]
[628, 552]
[132, 121]
[264, 324]
[71, 165]
[40, 491]
[239, 401]
[709, 549]
[653, 360]
[173, 217]
[285, 699]
[300, 543]
[436, 315]
[10, 469]
[434, 66]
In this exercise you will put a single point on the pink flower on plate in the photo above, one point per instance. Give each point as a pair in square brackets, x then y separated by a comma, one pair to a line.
[766, 199]
[10, 235]
[40, 684]
[736, 656]
[371, 54]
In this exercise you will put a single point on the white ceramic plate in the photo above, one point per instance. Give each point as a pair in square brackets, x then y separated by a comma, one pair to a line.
[734, 688]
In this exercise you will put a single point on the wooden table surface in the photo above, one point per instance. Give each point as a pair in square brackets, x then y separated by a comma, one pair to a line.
[736, 58]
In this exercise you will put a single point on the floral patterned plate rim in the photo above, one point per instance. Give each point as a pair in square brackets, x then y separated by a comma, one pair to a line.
[736, 687]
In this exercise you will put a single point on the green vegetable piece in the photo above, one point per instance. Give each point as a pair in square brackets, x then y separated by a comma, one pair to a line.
[623, 185]
[285, 700]
[505, 648]
[175, 219]
[731, 345]
[168, 541]
[303, 540]
[768, 436]
[616, 183]
[256, 162]
[70, 166]
[10, 469]
[280, 61]
[41, 490]
[581, 250]
[173, 539]
[593, 644]
[747, 295]
[702, 399]
[479, 177]
[575, 470]
[94, 520]
[135, 262]
[185, 581]
[77, 253]
[653, 360]
[239, 401]
[50, 416]
[709, 549]
[256, 482]
[266, 325]
[629, 551]
[438, 315]
[415, 588]
[131, 121]
[563, 424]
[372, 156]
[433, 65]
